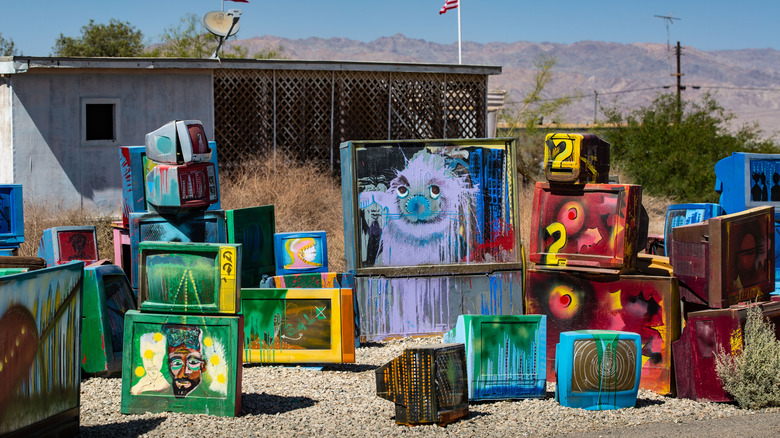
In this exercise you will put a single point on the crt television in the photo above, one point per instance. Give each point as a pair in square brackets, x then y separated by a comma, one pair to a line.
[11, 215]
[189, 277]
[427, 384]
[686, 214]
[178, 142]
[576, 158]
[175, 187]
[299, 252]
[598, 226]
[107, 296]
[598, 369]
[254, 228]
[60, 245]
[505, 355]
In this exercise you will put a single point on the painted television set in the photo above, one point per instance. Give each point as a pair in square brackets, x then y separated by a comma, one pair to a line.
[178, 142]
[298, 325]
[705, 333]
[254, 228]
[195, 226]
[427, 384]
[171, 188]
[182, 363]
[645, 304]
[444, 206]
[40, 342]
[305, 251]
[598, 369]
[747, 180]
[11, 215]
[727, 259]
[310, 280]
[60, 245]
[576, 158]
[686, 214]
[107, 297]
[591, 226]
[177, 277]
[506, 355]
[131, 163]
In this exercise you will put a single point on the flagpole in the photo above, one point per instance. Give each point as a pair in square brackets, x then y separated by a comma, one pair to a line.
[460, 58]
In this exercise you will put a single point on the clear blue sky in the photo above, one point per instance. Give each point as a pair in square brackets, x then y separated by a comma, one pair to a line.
[34, 25]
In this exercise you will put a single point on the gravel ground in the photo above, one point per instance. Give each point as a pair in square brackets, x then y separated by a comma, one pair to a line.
[340, 400]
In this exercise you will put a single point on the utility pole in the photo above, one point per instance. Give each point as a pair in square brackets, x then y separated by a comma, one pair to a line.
[679, 79]
[595, 106]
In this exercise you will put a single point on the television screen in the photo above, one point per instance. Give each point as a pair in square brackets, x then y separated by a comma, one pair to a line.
[107, 297]
[686, 214]
[737, 251]
[576, 158]
[11, 215]
[705, 333]
[301, 252]
[196, 226]
[645, 304]
[597, 226]
[178, 142]
[60, 245]
[40, 332]
[441, 204]
[182, 363]
[254, 228]
[189, 277]
[506, 355]
[173, 188]
[298, 325]
[598, 369]
[427, 384]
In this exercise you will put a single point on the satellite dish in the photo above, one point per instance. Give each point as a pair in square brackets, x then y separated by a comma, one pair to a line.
[220, 23]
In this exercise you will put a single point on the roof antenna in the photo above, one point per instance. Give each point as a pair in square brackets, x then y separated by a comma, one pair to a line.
[668, 20]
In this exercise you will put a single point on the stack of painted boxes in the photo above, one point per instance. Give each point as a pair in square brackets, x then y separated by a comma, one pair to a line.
[183, 349]
[586, 235]
[431, 232]
[726, 265]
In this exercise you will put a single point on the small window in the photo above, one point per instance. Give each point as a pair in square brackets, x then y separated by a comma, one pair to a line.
[100, 121]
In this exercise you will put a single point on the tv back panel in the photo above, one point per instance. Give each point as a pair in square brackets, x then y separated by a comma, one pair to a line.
[298, 325]
[107, 296]
[598, 369]
[506, 355]
[254, 229]
[728, 259]
[576, 158]
[178, 142]
[177, 277]
[182, 363]
[196, 226]
[438, 206]
[61, 245]
[172, 188]
[591, 226]
[427, 384]
[686, 214]
[11, 215]
[305, 251]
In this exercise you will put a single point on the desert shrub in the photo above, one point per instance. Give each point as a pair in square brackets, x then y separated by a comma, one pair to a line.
[752, 375]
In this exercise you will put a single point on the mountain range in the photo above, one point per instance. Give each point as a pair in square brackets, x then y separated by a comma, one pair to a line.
[602, 74]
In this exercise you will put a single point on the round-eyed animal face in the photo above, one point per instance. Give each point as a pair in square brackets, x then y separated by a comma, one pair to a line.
[419, 201]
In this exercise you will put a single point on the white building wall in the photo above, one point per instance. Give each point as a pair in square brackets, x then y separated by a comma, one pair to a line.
[50, 159]
[6, 145]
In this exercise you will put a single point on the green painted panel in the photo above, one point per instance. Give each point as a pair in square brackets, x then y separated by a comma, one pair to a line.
[182, 363]
[254, 228]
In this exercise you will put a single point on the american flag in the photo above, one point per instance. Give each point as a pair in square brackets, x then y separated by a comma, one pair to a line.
[448, 4]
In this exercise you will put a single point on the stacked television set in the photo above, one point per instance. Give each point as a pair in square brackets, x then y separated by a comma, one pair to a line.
[431, 227]
[588, 273]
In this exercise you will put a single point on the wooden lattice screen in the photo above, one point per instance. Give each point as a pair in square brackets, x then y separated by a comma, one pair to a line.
[305, 115]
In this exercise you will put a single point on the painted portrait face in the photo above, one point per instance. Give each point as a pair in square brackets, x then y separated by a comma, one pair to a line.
[185, 359]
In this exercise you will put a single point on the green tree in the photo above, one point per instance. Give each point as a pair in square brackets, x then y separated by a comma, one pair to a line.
[672, 151]
[189, 39]
[521, 119]
[7, 46]
[114, 39]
